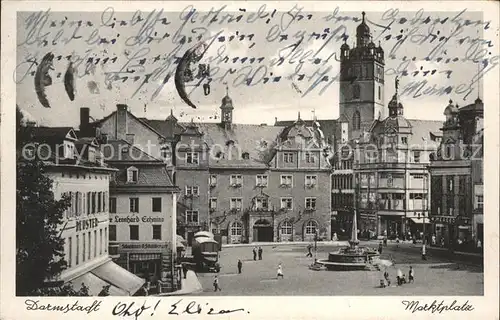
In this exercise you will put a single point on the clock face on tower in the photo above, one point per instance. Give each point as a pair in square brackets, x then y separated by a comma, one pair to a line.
[227, 116]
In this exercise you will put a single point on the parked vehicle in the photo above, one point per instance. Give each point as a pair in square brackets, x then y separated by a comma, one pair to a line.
[205, 252]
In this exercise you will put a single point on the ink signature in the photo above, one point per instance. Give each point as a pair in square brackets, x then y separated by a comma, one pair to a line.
[193, 307]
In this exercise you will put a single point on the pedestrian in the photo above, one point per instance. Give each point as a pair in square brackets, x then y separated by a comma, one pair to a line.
[386, 277]
[280, 272]
[433, 239]
[385, 241]
[185, 270]
[399, 277]
[309, 248]
[240, 265]
[424, 257]
[255, 253]
[411, 275]
[479, 244]
[380, 247]
[105, 291]
[442, 242]
[260, 253]
[216, 284]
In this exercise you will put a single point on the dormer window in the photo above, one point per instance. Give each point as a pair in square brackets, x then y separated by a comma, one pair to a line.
[132, 175]
[69, 150]
[91, 154]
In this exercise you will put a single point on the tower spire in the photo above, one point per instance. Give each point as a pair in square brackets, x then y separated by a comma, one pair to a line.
[363, 14]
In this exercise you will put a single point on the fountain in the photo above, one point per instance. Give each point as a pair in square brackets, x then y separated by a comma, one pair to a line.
[352, 257]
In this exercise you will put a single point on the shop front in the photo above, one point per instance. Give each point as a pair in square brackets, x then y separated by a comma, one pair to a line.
[444, 229]
[391, 225]
[143, 259]
[342, 224]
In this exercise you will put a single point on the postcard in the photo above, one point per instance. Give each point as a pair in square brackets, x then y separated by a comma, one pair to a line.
[266, 160]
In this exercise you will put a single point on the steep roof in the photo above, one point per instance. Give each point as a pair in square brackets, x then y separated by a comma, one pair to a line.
[258, 141]
[143, 121]
[121, 150]
[167, 128]
[148, 176]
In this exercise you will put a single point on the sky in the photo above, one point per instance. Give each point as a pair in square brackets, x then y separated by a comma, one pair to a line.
[256, 103]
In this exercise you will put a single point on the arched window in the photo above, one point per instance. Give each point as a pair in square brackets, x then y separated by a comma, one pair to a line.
[356, 121]
[311, 227]
[286, 228]
[236, 228]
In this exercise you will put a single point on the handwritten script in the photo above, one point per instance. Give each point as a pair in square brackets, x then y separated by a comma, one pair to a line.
[138, 52]
[77, 306]
[435, 307]
[181, 307]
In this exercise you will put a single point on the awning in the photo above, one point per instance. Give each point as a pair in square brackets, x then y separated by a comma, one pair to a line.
[119, 277]
[420, 220]
[95, 285]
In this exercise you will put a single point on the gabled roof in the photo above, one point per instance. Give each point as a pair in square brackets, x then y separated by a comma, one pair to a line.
[140, 120]
[122, 151]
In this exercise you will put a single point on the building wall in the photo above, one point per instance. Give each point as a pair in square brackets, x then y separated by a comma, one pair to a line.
[76, 227]
[119, 124]
[145, 218]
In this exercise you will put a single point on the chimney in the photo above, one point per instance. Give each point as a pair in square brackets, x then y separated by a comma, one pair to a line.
[130, 138]
[121, 121]
[84, 119]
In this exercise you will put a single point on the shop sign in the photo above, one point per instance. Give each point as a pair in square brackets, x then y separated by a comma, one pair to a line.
[143, 246]
[136, 219]
[86, 224]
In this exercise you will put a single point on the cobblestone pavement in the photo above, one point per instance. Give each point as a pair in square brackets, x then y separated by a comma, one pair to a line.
[436, 276]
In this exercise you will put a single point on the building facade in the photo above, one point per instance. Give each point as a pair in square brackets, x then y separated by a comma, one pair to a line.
[253, 183]
[456, 178]
[75, 165]
[143, 199]
[391, 174]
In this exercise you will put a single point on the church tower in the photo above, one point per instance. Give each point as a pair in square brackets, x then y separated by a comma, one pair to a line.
[361, 82]
[226, 111]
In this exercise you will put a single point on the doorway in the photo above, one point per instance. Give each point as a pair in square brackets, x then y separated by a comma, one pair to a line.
[263, 231]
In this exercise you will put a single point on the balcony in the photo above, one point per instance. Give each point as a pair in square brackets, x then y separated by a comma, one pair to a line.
[285, 185]
[236, 185]
[310, 185]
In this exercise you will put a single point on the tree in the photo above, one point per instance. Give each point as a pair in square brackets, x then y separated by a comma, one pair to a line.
[40, 249]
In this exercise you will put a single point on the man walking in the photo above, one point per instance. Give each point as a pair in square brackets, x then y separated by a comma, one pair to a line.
[240, 265]
[280, 272]
[185, 270]
[216, 284]
[255, 253]
[260, 253]
[309, 248]
[411, 275]
[380, 247]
